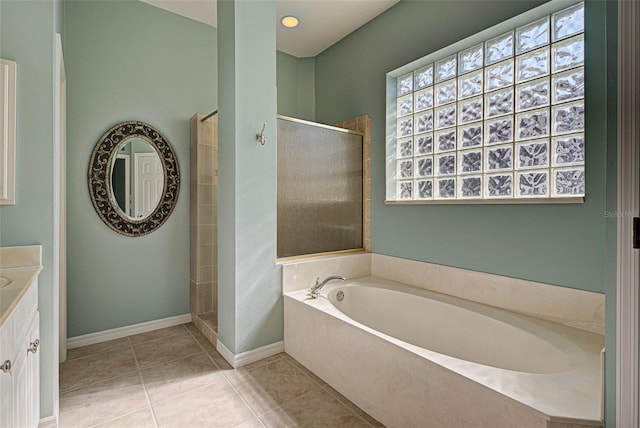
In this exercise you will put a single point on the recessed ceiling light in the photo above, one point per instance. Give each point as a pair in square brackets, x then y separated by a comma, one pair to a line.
[289, 21]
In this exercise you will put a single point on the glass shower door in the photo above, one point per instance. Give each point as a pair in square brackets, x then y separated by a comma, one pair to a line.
[320, 188]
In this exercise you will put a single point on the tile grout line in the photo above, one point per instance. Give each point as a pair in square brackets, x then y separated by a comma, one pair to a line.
[254, 412]
[144, 386]
[229, 375]
[346, 406]
[78, 360]
[210, 357]
[318, 385]
[155, 364]
[257, 364]
[203, 350]
[155, 338]
[329, 392]
[133, 411]
[246, 403]
[278, 406]
[214, 362]
[94, 383]
[224, 376]
[302, 371]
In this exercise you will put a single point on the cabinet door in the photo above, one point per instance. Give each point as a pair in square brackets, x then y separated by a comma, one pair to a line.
[20, 385]
[6, 398]
[33, 373]
[6, 378]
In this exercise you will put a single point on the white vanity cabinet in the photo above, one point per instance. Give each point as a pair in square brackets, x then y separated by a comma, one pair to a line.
[33, 373]
[20, 363]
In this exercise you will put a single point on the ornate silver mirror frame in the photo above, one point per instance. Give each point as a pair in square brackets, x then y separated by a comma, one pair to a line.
[99, 176]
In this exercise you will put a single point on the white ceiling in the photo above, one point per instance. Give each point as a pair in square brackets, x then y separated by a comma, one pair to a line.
[322, 22]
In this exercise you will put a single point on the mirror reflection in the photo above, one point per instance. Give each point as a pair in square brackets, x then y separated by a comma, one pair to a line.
[137, 178]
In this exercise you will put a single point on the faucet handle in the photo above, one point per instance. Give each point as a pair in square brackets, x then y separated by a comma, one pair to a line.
[314, 290]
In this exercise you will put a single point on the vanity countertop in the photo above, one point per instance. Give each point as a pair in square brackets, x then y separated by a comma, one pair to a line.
[19, 267]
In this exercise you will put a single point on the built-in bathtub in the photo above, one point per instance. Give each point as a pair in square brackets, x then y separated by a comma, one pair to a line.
[411, 357]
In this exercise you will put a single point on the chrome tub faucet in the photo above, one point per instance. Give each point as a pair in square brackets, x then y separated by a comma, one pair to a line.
[315, 290]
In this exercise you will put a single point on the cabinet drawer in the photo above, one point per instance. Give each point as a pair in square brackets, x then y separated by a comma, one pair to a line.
[6, 341]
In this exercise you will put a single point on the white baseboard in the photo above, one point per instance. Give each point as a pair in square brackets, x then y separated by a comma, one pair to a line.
[247, 357]
[117, 333]
[226, 353]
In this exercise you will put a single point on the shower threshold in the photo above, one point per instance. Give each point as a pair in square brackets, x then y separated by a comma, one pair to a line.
[207, 323]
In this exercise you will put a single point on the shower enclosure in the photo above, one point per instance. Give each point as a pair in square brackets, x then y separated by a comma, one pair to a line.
[203, 227]
[322, 206]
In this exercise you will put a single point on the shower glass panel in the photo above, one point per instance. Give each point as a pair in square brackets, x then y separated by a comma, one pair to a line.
[320, 179]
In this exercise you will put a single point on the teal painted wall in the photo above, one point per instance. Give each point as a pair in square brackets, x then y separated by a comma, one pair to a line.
[128, 60]
[226, 176]
[124, 280]
[122, 63]
[287, 82]
[296, 86]
[556, 244]
[307, 88]
[250, 294]
[27, 36]
[566, 245]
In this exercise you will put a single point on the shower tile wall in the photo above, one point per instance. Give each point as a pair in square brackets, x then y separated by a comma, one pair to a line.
[363, 124]
[204, 224]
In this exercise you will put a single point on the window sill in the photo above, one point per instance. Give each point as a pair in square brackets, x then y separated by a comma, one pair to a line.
[531, 201]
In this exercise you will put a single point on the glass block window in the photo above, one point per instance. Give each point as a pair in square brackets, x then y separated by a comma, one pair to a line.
[499, 119]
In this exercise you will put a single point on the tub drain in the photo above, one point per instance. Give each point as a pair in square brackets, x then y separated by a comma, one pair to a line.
[340, 296]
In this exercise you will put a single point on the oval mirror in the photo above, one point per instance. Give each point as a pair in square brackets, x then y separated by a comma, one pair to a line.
[134, 178]
[137, 178]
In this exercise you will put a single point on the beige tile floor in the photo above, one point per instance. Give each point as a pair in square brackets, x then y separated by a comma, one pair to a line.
[174, 377]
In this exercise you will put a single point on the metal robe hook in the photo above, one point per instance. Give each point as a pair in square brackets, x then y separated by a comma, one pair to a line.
[260, 137]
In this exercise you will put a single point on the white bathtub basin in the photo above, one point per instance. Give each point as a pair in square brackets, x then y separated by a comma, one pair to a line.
[412, 357]
[459, 329]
